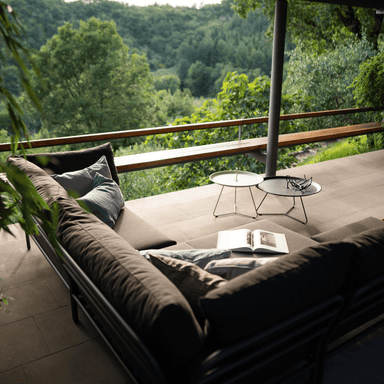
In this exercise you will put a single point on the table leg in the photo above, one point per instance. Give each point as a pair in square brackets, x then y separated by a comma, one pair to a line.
[235, 205]
[286, 213]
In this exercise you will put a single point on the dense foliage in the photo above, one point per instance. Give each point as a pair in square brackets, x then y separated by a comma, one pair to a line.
[110, 66]
[321, 26]
[173, 38]
[91, 83]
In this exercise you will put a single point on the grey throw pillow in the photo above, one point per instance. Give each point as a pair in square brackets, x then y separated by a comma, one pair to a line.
[105, 199]
[230, 268]
[80, 182]
[199, 257]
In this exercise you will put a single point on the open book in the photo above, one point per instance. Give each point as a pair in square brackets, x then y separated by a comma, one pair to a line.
[244, 240]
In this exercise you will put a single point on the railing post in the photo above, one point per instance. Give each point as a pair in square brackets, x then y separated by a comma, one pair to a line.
[276, 84]
[240, 126]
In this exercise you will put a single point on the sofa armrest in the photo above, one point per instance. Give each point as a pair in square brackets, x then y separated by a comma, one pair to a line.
[349, 230]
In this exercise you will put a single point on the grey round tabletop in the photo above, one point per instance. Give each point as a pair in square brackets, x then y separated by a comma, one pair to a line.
[236, 178]
[278, 185]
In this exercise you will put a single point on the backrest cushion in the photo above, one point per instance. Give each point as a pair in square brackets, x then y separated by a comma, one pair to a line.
[68, 161]
[350, 229]
[144, 297]
[192, 281]
[271, 293]
[80, 181]
[48, 188]
[368, 257]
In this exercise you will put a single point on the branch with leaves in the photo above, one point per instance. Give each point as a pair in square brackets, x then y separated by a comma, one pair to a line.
[18, 195]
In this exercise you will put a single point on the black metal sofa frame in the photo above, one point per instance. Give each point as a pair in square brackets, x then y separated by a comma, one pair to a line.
[234, 364]
[312, 329]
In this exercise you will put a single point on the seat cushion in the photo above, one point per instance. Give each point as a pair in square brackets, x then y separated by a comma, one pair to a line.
[140, 234]
[144, 297]
[68, 161]
[263, 297]
[349, 229]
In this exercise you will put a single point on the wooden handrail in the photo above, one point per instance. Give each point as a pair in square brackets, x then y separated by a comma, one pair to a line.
[175, 128]
[149, 160]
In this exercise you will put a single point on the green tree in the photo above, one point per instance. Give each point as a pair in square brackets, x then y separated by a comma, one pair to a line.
[169, 82]
[320, 25]
[238, 99]
[325, 79]
[199, 79]
[92, 83]
[368, 88]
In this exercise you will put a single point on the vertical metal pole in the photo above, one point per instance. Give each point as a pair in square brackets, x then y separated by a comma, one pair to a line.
[276, 84]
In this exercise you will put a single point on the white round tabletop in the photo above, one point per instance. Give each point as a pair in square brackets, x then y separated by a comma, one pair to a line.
[236, 178]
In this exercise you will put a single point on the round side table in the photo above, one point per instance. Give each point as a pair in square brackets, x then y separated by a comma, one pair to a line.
[236, 179]
[278, 185]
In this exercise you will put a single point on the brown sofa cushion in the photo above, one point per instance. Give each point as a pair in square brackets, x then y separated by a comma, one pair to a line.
[49, 189]
[271, 293]
[144, 297]
[61, 162]
[192, 281]
[349, 229]
[368, 257]
[139, 233]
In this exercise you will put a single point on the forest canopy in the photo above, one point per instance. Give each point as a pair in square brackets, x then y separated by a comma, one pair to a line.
[109, 66]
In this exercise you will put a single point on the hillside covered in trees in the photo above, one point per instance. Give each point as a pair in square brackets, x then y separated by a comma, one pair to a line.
[198, 45]
[106, 66]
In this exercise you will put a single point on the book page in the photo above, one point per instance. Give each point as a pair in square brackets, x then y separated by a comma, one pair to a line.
[240, 238]
[269, 241]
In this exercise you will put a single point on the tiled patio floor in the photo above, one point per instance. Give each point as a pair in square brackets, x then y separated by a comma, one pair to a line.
[39, 342]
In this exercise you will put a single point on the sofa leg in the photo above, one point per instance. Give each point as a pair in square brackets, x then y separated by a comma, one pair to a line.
[28, 242]
[73, 291]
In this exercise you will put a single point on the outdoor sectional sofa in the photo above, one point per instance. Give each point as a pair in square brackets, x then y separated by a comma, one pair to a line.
[170, 321]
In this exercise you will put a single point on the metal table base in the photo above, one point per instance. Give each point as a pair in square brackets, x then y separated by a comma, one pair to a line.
[235, 205]
[286, 213]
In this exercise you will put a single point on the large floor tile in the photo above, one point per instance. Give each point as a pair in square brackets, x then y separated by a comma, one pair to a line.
[21, 343]
[328, 210]
[28, 270]
[88, 363]
[26, 301]
[10, 250]
[60, 332]
[13, 376]
[58, 290]
[5, 283]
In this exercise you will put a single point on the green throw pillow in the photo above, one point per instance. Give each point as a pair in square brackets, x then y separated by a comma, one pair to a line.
[80, 181]
[105, 199]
